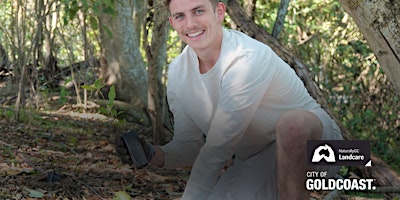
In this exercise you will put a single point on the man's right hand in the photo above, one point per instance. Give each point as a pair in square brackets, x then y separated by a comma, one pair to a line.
[134, 150]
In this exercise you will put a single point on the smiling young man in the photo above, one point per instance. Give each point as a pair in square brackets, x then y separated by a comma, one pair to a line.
[232, 96]
[200, 28]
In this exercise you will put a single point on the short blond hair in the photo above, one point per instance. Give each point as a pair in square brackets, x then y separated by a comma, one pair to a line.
[213, 2]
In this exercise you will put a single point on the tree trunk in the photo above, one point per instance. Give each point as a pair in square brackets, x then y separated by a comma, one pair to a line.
[382, 172]
[20, 34]
[4, 61]
[157, 56]
[125, 65]
[379, 22]
[250, 7]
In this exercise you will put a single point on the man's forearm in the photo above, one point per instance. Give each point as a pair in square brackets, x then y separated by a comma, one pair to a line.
[159, 157]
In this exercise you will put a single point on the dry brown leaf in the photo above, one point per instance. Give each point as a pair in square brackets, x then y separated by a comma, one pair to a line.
[156, 177]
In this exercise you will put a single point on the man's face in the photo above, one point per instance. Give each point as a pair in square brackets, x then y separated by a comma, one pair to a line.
[197, 22]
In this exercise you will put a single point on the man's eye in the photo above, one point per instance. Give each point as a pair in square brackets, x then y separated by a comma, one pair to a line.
[178, 17]
[199, 12]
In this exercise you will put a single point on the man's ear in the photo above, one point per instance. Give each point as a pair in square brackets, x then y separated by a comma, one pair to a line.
[221, 9]
[171, 22]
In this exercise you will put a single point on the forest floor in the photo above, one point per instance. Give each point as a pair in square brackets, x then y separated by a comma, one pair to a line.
[59, 156]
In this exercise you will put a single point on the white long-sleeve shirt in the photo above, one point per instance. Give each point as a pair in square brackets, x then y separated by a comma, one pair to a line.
[235, 106]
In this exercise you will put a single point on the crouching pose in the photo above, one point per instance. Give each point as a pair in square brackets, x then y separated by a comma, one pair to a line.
[232, 96]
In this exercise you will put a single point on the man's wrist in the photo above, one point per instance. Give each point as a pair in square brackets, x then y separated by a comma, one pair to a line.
[158, 157]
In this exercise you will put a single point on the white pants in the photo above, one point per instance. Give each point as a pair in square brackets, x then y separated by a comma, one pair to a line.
[255, 178]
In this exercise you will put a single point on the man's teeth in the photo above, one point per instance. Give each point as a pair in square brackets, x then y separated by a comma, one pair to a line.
[195, 34]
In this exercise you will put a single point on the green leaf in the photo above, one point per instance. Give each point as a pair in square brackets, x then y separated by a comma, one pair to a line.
[72, 12]
[110, 11]
[111, 94]
[93, 23]
[95, 8]
[109, 3]
[97, 84]
[108, 31]
[122, 195]
[103, 110]
[34, 193]
[129, 188]
[110, 104]
[85, 4]
[68, 80]
[88, 87]
[113, 112]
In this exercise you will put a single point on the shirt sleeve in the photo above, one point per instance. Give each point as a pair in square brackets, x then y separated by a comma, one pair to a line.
[185, 145]
[243, 87]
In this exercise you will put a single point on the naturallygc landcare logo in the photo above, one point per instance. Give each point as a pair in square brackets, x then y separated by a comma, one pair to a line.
[337, 153]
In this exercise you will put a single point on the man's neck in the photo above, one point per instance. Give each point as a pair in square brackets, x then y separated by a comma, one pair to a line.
[206, 65]
[209, 56]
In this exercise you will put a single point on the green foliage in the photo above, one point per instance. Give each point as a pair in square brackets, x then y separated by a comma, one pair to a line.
[97, 86]
[174, 45]
[266, 19]
[7, 113]
[92, 10]
[71, 8]
[6, 152]
[323, 36]
[109, 109]
[64, 92]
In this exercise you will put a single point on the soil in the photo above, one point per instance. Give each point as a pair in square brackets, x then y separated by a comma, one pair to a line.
[72, 156]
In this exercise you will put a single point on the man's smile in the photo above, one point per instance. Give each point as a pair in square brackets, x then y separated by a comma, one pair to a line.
[195, 34]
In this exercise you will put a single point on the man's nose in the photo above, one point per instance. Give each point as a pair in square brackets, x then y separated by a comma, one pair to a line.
[191, 21]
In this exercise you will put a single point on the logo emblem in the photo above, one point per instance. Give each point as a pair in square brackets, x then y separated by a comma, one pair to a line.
[323, 152]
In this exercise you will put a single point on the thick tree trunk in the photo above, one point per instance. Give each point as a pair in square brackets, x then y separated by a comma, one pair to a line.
[125, 64]
[250, 7]
[384, 175]
[379, 22]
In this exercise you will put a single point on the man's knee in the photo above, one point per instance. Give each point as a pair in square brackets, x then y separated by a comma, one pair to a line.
[295, 127]
[290, 129]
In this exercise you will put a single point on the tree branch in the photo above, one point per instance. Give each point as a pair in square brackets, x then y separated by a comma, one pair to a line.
[280, 18]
